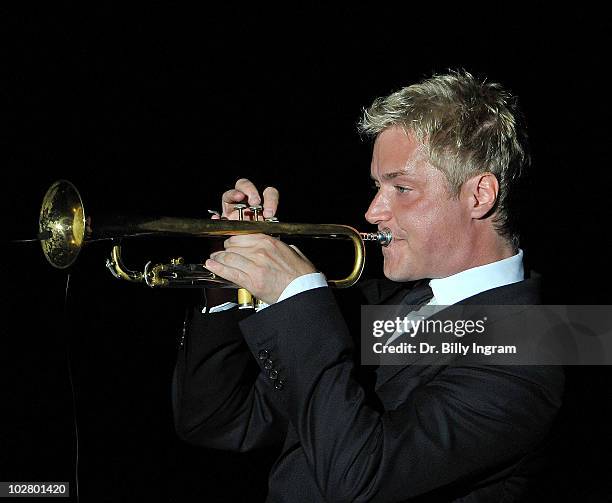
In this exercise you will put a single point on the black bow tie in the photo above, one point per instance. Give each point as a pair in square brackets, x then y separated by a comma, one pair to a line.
[420, 295]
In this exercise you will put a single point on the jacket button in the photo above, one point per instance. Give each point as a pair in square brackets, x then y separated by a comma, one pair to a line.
[279, 384]
[263, 354]
[273, 374]
[268, 364]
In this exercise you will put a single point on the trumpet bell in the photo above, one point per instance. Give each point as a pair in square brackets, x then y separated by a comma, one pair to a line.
[62, 221]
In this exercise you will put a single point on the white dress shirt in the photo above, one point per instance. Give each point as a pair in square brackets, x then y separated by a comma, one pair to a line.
[446, 291]
[457, 287]
[298, 285]
[452, 289]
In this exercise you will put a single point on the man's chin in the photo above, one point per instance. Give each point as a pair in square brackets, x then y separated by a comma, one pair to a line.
[400, 276]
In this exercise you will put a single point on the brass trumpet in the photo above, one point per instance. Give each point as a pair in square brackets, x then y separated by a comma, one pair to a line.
[65, 228]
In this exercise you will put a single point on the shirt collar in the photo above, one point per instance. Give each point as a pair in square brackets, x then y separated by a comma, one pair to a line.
[464, 284]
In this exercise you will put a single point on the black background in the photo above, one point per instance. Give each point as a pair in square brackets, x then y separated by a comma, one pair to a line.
[157, 110]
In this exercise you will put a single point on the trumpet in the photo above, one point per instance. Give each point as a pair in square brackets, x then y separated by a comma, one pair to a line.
[64, 229]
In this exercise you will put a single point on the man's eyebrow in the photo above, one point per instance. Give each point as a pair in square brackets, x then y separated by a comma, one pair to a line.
[395, 174]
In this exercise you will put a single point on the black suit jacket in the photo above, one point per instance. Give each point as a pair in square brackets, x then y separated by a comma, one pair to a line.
[350, 433]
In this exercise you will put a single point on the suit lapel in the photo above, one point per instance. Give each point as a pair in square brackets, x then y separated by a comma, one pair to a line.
[527, 291]
[391, 293]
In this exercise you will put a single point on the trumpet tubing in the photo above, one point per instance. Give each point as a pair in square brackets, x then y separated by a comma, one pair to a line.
[64, 224]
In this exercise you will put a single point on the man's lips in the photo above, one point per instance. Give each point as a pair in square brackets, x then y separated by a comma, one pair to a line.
[395, 235]
[392, 244]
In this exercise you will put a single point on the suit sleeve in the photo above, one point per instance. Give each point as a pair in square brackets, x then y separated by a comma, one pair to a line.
[218, 396]
[463, 422]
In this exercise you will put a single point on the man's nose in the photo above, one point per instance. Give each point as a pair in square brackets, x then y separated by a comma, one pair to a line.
[378, 210]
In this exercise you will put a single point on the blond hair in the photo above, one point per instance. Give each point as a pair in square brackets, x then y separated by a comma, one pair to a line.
[468, 127]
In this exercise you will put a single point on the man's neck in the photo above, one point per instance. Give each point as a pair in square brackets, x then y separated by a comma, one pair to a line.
[487, 249]
[454, 288]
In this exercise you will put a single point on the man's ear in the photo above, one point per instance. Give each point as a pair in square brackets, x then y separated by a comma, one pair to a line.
[481, 193]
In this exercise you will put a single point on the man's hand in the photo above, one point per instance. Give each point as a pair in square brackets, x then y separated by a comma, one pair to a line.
[245, 192]
[260, 263]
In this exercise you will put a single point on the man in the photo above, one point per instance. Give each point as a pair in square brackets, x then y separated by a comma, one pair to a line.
[447, 155]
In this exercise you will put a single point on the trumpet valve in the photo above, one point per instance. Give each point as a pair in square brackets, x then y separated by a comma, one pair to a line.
[240, 207]
[256, 210]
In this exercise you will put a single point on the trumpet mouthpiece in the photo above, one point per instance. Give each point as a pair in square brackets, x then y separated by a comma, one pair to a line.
[383, 236]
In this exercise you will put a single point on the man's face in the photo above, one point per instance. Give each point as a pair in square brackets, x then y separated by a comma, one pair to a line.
[430, 227]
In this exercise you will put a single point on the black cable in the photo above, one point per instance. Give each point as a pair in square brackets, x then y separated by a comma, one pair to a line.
[41, 236]
[35, 240]
[73, 394]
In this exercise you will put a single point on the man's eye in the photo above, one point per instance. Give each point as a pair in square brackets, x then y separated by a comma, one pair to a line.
[402, 190]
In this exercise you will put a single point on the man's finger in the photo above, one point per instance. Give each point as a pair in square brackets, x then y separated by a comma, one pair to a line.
[248, 188]
[232, 259]
[229, 273]
[270, 201]
[233, 196]
[246, 240]
[229, 198]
